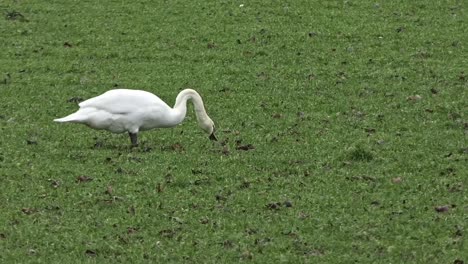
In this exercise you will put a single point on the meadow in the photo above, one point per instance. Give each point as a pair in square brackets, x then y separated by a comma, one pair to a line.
[342, 131]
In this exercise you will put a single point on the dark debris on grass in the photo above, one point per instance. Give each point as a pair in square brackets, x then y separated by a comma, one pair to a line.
[278, 205]
[245, 147]
[442, 209]
[360, 153]
[15, 16]
[29, 211]
[75, 100]
[266, 162]
[83, 178]
[91, 253]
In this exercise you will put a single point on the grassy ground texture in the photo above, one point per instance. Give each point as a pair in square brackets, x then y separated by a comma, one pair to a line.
[342, 126]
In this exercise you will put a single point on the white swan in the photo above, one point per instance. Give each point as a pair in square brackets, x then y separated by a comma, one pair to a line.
[132, 111]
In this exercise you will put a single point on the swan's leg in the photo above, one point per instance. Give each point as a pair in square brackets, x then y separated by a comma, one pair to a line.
[133, 139]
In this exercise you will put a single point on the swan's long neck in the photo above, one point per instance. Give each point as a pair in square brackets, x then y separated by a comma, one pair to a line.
[181, 105]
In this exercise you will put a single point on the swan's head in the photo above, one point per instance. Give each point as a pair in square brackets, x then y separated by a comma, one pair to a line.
[209, 127]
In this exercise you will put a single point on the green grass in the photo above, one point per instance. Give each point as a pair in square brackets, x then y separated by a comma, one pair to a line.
[357, 112]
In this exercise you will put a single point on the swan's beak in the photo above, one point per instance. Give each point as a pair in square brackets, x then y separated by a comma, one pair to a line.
[213, 137]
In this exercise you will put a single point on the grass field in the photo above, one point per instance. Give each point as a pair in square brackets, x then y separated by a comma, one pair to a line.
[342, 126]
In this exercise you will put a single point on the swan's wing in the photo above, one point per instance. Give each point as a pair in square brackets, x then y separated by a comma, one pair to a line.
[122, 101]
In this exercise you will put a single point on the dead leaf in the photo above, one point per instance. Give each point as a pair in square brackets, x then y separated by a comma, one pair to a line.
[109, 190]
[132, 230]
[160, 188]
[54, 183]
[220, 197]
[225, 151]
[397, 180]
[28, 211]
[414, 98]
[303, 215]
[83, 178]
[245, 185]
[277, 116]
[274, 206]
[177, 147]
[442, 209]
[245, 147]
[31, 142]
[247, 255]
[14, 15]
[90, 253]
[75, 100]
[168, 233]
[211, 45]
[228, 244]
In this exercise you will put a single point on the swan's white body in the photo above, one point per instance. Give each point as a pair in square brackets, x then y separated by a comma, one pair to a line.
[132, 111]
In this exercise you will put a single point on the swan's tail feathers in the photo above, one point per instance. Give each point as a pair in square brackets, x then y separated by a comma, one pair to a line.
[70, 118]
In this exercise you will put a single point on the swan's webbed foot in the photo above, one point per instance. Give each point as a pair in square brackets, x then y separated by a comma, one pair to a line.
[133, 139]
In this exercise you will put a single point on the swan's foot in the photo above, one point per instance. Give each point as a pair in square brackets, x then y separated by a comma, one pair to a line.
[213, 137]
[133, 139]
